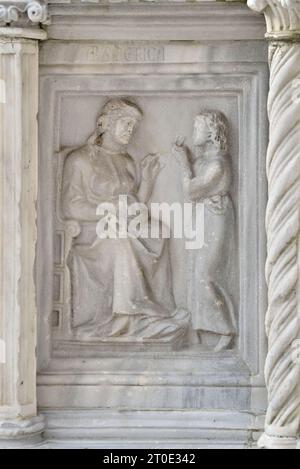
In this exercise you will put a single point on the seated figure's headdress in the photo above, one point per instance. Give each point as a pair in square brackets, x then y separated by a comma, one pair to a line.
[114, 109]
[120, 107]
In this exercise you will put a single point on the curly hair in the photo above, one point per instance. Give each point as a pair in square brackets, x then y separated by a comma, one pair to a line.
[217, 125]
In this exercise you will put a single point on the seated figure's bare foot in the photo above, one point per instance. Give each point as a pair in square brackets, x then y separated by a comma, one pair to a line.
[224, 343]
[216, 342]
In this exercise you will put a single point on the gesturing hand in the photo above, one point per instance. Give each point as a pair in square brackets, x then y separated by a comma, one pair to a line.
[179, 150]
[150, 167]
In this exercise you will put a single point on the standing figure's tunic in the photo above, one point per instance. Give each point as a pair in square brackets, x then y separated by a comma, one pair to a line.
[212, 268]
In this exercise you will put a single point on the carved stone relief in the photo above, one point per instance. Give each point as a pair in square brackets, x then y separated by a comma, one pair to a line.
[207, 179]
[168, 102]
[121, 290]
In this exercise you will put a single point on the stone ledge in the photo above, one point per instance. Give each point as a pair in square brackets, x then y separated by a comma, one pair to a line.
[151, 429]
[10, 33]
[158, 21]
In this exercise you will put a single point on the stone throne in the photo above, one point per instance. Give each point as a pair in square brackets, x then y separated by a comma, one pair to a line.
[65, 232]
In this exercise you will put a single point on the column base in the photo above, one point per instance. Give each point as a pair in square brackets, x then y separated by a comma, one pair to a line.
[275, 442]
[21, 433]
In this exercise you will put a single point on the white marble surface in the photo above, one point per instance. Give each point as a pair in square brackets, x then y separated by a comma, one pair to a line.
[172, 62]
[177, 429]
[33, 11]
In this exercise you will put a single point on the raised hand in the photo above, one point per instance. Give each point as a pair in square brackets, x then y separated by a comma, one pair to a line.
[179, 141]
[150, 167]
[179, 151]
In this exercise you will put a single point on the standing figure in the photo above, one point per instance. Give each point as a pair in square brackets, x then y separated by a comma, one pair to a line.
[207, 180]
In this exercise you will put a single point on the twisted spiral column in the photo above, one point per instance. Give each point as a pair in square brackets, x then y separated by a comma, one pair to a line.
[283, 226]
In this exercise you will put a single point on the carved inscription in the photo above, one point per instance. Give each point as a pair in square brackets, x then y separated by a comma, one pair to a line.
[128, 53]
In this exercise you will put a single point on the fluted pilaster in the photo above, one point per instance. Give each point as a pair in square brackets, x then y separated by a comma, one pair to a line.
[18, 232]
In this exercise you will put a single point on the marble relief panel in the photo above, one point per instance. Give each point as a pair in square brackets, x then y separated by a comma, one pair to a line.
[173, 138]
[156, 291]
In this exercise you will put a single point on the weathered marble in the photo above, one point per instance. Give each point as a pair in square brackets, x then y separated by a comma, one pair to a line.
[18, 12]
[121, 287]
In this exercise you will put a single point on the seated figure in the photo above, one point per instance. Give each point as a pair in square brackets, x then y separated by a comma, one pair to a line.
[121, 288]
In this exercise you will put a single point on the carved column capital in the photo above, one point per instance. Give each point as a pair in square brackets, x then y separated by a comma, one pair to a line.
[282, 18]
[22, 13]
[21, 19]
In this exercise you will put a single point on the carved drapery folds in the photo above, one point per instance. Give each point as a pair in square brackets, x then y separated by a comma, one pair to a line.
[282, 222]
[34, 12]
